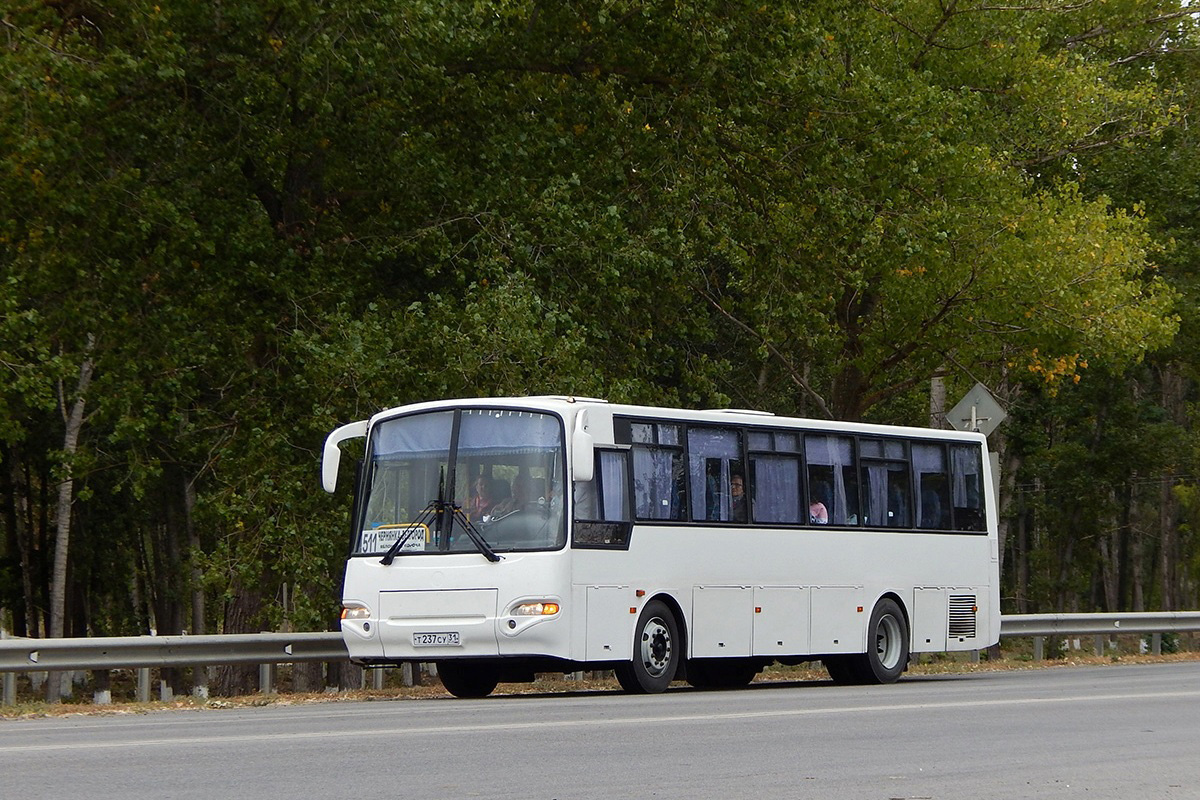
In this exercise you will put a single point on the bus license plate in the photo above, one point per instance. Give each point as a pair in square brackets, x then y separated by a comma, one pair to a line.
[445, 639]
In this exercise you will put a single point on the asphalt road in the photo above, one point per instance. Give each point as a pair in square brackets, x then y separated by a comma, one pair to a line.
[1095, 732]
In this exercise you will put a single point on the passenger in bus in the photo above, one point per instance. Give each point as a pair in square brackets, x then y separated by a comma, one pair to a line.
[522, 491]
[818, 514]
[481, 497]
[737, 491]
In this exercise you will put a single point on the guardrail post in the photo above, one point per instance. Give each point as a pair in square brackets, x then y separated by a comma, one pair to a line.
[266, 684]
[10, 688]
[143, 685]
[377, 678]
[1156, 644]
[1098, 644]
[1039, 648]
[406, 673]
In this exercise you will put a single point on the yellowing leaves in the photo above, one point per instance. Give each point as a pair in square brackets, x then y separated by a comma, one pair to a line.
[1055, 370]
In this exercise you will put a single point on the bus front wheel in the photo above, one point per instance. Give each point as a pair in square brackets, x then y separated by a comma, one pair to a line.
[656, 654]
[467, 679]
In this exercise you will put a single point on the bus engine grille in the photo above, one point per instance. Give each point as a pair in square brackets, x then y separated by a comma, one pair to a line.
[962, 615]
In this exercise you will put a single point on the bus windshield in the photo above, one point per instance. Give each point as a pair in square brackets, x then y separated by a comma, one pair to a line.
[501, 470]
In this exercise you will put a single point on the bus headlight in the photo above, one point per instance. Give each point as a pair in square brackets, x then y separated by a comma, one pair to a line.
[543, 609]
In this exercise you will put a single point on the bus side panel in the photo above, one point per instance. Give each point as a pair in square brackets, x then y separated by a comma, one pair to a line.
[781, 620]
[838, 621]
[929, 620]
[722, 621]
[609, 623]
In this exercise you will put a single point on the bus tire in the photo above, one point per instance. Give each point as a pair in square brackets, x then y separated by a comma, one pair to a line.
[887, 650]
[887, 644]
[656, 646]
[467, 679]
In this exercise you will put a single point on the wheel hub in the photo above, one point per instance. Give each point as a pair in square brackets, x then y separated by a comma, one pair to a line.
[887, 642]
[656, 647]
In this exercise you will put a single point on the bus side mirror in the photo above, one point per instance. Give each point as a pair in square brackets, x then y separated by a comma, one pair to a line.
[332, 455]
[583, 456]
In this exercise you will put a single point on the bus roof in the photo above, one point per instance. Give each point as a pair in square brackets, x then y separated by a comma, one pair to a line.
[568, 405]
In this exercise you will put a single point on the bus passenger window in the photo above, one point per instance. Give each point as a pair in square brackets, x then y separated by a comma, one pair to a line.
[776, 489]
[714, 456]
[967, 487]
[933, 486]
[614, 486]
[886, 492]
[832, 485]
[658, 483]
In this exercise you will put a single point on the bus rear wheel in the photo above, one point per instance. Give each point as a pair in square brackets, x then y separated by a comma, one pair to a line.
[887, 644]
[656, 646]
[887, 649]
[467, 679]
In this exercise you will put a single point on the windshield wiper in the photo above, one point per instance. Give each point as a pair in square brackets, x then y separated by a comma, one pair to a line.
[439, 507]
[475, 535]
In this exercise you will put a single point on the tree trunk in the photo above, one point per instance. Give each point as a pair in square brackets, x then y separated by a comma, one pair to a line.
[1167, 556]
[308, 676]
[1170, 575]
[1021, 565]
[1109, 564]
[199, 673]
[242, 615]
[62, 517]
[16, 511]
[937, 402]
[1064, 600]
[1136, 544]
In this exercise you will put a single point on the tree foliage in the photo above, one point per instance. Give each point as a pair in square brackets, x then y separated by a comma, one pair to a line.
[270, 218]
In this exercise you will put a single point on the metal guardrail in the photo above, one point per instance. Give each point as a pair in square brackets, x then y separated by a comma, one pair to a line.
[144, 652]
[1019, 625]
[122, 652]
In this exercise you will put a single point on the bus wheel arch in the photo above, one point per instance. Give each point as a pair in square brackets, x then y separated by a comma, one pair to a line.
[658, 648]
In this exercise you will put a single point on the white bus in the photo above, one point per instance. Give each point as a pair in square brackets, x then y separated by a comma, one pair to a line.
[504, 537]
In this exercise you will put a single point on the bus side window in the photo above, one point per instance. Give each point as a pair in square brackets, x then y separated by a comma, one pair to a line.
[933, 486]
[967, 487]
[658, 483]
[776, 488]
[832, 483]
[714, 456]
[614, 486]
[885, 483]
